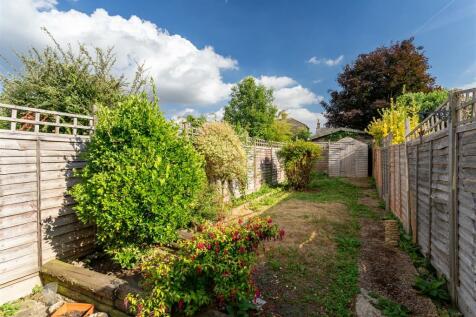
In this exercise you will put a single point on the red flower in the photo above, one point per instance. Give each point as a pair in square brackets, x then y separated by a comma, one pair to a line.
[181, 304]
[201, 245]
[257, 294]
[240, 221]
[270, 220]
[199, 269]
[242, 250]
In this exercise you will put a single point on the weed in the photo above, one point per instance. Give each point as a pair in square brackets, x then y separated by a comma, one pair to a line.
[37, 289]
[388, 307]
[9, 309]
[274, 264]
[433, 287]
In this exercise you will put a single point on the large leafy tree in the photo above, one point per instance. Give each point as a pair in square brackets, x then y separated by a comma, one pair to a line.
[373, 79]
[66, 79]
[251, 108]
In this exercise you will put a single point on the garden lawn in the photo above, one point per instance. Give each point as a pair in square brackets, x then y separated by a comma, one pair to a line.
[314, 270]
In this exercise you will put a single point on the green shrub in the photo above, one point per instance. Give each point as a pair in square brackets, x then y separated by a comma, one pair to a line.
[299, 158]
[213, 268]
[225, 157]
[141, 179]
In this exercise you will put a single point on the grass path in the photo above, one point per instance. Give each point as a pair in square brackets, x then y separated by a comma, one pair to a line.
[314, 271]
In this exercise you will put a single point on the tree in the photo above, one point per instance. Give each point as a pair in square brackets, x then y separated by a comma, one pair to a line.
[195, 122]
[369, 83]
[67, 80]
[251, 108]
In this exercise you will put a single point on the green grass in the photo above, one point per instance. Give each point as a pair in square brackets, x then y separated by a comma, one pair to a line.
[9, 309]
[343, 273]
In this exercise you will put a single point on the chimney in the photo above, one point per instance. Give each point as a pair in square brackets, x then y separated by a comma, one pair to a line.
[318, 125]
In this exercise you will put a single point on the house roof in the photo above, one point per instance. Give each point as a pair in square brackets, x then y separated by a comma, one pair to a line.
[296, 124]
[328, 131]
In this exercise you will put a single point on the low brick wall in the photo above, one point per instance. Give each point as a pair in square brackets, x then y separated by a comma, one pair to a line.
[106, 292]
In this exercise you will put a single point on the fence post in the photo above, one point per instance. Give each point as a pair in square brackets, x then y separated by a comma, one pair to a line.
[452, 201]
[430, 211]
[407, 178]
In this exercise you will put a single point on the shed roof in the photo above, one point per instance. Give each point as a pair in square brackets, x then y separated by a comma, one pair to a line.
[327, 131]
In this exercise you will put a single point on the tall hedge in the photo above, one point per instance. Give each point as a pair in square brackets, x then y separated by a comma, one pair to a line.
[141, 179]
[299, 159]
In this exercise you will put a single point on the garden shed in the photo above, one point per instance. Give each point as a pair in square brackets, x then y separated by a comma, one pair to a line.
[347, 157]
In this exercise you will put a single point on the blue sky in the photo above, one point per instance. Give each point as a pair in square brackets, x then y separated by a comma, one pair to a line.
[274, 39]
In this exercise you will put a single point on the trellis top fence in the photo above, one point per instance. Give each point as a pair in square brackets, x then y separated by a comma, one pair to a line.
[26, 119]
[187, 129]
[429, 182]
[459, 108]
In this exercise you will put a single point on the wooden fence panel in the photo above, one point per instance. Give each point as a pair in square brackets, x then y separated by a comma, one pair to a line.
[18, 208]
[439, 216]
[37, 222]
[467, 221]
[423, 195]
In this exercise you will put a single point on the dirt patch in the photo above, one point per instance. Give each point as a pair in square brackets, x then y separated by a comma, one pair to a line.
[292, 273]
[385, 270]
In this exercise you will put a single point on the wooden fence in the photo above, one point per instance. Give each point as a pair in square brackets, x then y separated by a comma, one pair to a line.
[429, 183]
[39, 155]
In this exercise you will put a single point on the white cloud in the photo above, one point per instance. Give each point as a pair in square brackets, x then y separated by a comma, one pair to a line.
[276, 82]
[289, 95]
[182, 114]
[184, 73]
[295, 97]
[327, 61]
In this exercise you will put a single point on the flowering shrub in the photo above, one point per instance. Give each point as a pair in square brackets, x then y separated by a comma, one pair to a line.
[214, 267]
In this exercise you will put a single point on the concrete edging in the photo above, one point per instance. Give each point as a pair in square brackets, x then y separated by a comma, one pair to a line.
[106, 292]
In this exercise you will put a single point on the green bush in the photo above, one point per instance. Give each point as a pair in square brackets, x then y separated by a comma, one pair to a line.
[225, 157]
[214, 267]
[141, 179]
[299, 158]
